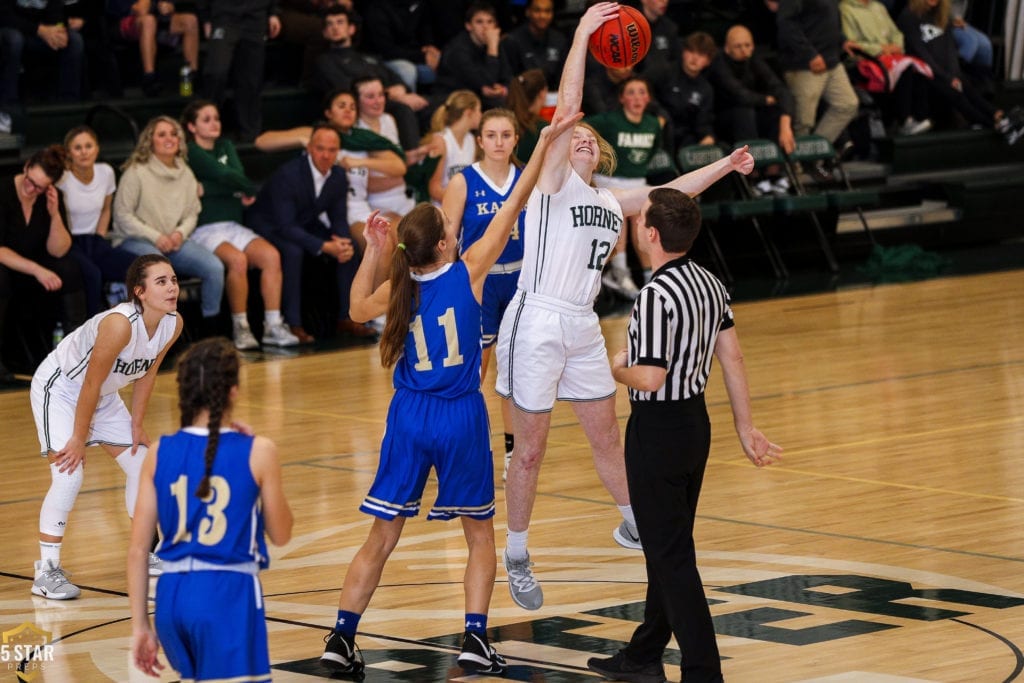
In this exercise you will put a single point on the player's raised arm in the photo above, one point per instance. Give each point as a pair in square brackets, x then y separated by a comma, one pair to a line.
[570, 92]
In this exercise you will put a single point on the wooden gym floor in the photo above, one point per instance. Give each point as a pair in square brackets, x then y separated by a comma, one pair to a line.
[886, 547]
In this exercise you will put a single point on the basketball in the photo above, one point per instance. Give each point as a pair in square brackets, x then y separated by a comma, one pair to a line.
[622, 42]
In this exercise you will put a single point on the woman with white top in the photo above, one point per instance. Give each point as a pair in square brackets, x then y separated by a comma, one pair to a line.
[454, 123]
[387, 193]
[88, 189]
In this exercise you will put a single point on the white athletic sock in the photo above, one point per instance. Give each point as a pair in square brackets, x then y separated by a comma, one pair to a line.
[239, 320]
[515, 544]
[627, 513]
[273, 318]
[49, 552]
[132, 466]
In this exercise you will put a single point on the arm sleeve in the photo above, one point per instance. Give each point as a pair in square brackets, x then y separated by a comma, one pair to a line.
[286, 210]
[206, 167]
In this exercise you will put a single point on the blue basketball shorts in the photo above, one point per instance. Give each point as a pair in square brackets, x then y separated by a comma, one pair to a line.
[452, 436]
[499, 288]
[211, 625]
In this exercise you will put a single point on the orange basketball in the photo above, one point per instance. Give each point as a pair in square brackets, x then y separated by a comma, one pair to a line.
[622, 42]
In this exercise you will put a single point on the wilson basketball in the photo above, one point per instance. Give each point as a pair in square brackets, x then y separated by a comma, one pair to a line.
[622, 42]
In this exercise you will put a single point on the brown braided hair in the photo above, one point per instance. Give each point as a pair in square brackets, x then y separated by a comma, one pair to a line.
[206, 373]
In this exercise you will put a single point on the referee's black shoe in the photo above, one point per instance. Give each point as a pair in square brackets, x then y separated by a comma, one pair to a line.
[620, 668]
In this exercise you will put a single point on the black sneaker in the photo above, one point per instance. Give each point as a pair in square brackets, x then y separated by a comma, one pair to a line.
[479, 657]
[619, 668]
[341, 654]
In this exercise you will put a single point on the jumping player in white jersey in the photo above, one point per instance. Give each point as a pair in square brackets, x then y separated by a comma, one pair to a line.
[75, 402]
[550, 345]
[437, 418]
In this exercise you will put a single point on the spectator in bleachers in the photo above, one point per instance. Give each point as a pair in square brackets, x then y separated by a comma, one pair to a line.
[38, 28]
[475, 59]
[527, 94]
[973, 45]
[810, 47]
[635, 135]
[665, 43]
[226, 190]
[236, 34]
[601, 86]
[34, 245]
[683, 91]
[142, 22]
[870, 29]
[302, 29]
[387, 190]
[362, 153]
[751, 100]
[88, 189]
[302, 210]
[156, 208]
[454, 123]
[926, 29]
[536, 45]
[404, 38]
[342, 66]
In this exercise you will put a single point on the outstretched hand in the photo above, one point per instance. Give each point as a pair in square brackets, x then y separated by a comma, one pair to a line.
[741, 160]
[559, 125]
[376, 231]
[595, 16]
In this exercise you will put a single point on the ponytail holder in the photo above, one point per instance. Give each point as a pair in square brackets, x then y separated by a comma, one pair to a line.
[401, 245]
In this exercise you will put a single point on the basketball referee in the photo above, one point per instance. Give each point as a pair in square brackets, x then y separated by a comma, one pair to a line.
[681, 318]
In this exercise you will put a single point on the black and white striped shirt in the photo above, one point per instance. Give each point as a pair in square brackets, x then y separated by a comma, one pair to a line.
[674, 325]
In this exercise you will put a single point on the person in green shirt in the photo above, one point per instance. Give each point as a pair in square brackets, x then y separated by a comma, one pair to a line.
[225, 192]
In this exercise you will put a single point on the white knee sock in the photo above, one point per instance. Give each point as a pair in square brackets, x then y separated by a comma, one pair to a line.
[53, 515]
[132, 466]
[515, 544]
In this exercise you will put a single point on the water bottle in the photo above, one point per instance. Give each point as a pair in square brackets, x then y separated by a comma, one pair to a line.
[58, 334]
[185, 86]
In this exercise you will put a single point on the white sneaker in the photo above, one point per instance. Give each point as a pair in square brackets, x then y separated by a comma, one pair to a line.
[764, 187]
[244, 339]
[51, 582]
[913, 127]
[156, 565]
[279, 335]
[627, 536]
[780, 187]
[620, 282]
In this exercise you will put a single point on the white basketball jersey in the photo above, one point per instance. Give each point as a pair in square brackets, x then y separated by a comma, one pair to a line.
[74, 352]
[569, 236]
[358, 178]
[458, 155]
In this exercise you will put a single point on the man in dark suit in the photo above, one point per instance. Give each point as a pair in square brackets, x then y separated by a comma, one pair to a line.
[302, 210]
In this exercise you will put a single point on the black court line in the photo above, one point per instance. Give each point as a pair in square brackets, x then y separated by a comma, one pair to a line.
[94, 589]
[1015, 674]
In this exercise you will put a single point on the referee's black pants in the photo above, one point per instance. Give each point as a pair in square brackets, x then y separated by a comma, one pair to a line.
[667, 445]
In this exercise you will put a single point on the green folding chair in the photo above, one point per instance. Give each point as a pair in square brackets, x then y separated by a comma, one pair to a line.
[690, 159]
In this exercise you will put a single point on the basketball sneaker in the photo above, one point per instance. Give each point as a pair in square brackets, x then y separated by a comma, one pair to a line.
[627, 536]
[522, 585]
[244, 339]
[479, 657]
[278, 335]
[619, 668]
[156, 565]
[51, 582]
[341, 654]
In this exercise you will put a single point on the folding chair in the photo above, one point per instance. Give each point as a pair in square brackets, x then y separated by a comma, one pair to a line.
[753, 207]
[690, 159]
[814, 148]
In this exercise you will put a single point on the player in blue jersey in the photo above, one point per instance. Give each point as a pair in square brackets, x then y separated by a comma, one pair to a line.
[471, 199]
[437, 418]
[214, 492]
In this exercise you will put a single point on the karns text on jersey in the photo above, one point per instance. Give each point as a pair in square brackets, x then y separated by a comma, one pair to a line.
[594, 216]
